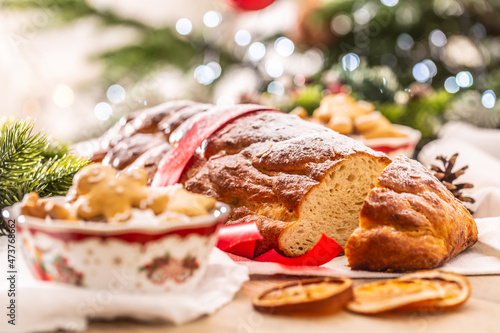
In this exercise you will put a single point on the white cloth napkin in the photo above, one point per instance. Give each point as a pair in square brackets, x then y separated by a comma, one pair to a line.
[488, 140]
[480, 150]
[43, 307]
[481, 259]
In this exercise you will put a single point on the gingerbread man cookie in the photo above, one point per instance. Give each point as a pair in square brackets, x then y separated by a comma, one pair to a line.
[100, 191]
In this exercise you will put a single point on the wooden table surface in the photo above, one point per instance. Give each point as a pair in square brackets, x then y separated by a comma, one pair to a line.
[480, 314]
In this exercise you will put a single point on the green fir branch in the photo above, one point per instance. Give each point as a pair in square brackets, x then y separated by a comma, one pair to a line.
[20, 150]
[55, 176]
[55, 149]
[30, 162]
[13, 192]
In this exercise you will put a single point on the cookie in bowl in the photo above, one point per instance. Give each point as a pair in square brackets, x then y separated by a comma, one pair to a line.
[359, 120]
[112, 231]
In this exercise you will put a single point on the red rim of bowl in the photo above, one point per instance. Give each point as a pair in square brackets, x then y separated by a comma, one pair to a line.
[67, 231]
[411, 139]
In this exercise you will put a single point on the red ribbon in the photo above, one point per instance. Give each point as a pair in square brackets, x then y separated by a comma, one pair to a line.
[240, 239]
[205, 124]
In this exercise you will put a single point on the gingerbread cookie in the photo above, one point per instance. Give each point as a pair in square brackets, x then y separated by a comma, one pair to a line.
[100, 191]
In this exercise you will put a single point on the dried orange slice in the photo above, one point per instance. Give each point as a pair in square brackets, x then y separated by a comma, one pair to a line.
[457, 291]
[312, 296]
[382, 296]
[428, 291]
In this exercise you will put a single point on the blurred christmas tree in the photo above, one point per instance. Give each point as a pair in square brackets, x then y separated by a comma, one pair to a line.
[155, 47]
[421, 62]
[427, 41]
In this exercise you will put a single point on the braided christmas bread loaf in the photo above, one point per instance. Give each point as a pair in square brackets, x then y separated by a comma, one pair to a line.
[295, 178]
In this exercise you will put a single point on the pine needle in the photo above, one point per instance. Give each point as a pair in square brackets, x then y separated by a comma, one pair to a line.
[30, 162]
[20, 150]
[55, 148]
[55, 176]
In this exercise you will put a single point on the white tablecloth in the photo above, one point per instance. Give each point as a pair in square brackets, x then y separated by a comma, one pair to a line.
[47, 306]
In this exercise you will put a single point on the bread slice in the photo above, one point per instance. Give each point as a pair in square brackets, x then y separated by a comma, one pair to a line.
[332, 207]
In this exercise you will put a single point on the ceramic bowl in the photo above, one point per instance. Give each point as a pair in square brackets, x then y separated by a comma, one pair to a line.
[396, 146]
[129, 258]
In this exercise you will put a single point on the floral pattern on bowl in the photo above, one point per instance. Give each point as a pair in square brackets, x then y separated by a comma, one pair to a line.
[167, 267]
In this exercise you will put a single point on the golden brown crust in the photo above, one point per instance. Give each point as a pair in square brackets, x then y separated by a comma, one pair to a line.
[150, 158]
[281, 156]
[142, 121]
[148, 120]
[409, 221]
[141, 131]
[175, 119]
[129, 149]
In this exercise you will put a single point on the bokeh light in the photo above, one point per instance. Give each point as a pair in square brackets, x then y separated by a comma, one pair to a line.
[438, 38]
[478, 30]
[103, 111]
[225, 100]
[204, 74]
[448, 8]
[407, 15]
[299, 80]
[450, 85]
[421, 72]
[31, 108]
[276, 88]
[63, 96]
[116, 94]
[184, 26]
[488, 99]
[284, 46]
[215, 66]
[341, 24]
[389, 3]
[242, 37]
[405, 42]
[431, 66]
[402, 97]
[212, 19]
[256, 51]
[362, 16]
[350, 62]
[464, 79]
[274, 68]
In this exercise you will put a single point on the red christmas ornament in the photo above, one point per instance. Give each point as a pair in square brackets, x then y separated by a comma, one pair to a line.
[249, 5]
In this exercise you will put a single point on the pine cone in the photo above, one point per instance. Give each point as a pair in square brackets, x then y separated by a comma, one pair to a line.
[447, 177]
